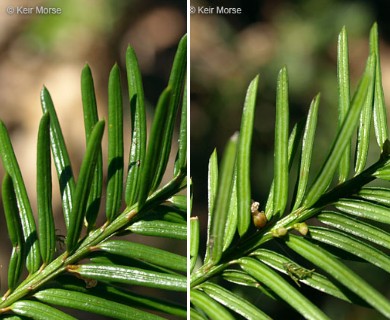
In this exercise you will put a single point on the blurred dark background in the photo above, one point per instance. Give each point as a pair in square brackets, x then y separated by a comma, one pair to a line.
[37, 50]
[227, 51]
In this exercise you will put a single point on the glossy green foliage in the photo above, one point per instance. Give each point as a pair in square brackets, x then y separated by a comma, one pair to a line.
[146, 253]
[194, 241]
[233, 301]
[14, 228]
[115, 145]
[181, 157]
[25, 212]
[159, 228]
[211, 192]
[39, 311]
[60, 156]
[155, 147]
[242, 179]
[344, 99]
[90, 119]
[220, 210]
[82, 301]
[313, 224]
[88, 165]
[82, 267]
[281, 145]
[130, 275]
[211, 308]
[177, 84]
[282, 288]
[47, 234]
[307, 150]
[380, 117]
[138, 125]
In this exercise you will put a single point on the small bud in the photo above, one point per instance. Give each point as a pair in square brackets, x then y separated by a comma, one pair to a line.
[302, 228]
[259, 218]
[255, 207]
[280, 232]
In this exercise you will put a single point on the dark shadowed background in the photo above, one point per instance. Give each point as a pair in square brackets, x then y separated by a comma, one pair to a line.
[227, 51]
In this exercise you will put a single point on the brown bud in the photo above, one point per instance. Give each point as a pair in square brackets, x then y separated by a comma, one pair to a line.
[259, 217]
